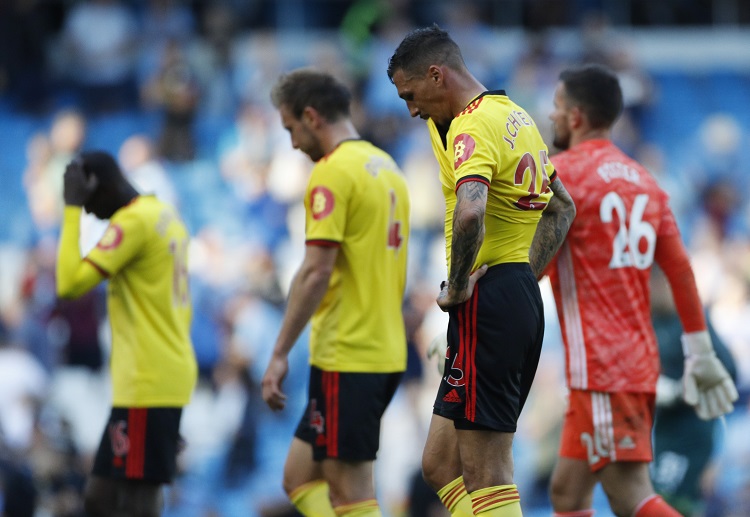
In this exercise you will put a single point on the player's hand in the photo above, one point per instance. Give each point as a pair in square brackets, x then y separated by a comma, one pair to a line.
[707, 386]
[437, 349]
[77, 187]
[449, 297]
[271, 384]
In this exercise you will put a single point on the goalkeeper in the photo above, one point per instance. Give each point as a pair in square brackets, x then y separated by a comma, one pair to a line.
[600, 279]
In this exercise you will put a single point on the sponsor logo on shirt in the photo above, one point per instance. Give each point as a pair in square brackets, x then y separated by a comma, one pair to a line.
[321, 202]
[111, 239]
[463, 148]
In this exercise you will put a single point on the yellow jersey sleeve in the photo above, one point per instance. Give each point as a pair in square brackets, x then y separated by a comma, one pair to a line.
[326, 203]
[123, 239]
[74, 277]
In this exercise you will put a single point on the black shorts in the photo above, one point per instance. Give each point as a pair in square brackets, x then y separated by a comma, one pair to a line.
[494, 343]
[342, 418]
[140, 444]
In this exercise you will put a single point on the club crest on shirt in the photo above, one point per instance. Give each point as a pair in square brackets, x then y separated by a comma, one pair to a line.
[111, 239]
[463, 148]
[321, 202]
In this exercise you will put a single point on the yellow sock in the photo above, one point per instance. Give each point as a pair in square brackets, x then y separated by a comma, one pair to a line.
[311, 499]
[366, 508]
[455, 498]
[497, 501]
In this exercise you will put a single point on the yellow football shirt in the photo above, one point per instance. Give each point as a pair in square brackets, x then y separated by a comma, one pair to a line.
[496, 142]
[144, 254]
[357, 199]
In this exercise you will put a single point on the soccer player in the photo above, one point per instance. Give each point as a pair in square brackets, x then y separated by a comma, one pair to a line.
[600, 280]
[351, 285]
[143, 253]
[497, 181]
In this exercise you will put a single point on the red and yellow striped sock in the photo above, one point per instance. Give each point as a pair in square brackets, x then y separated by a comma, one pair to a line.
[497, 501]
[311, 499]
[455, 498]
[366, 508]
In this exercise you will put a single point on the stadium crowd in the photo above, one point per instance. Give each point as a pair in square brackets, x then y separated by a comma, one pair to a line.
[179, 92]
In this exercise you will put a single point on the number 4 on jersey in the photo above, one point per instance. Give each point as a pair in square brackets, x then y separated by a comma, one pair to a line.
[394, 227]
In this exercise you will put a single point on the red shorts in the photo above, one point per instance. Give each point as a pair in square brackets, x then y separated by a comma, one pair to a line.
[604, 427]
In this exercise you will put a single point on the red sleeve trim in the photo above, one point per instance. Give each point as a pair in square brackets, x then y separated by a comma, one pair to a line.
[323, 242]
[96, 266]
[475, 177]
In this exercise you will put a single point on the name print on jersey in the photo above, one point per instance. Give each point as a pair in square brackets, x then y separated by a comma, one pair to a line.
[515, 121]
[616, 170]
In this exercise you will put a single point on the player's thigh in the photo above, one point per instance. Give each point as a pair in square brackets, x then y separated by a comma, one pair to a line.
[348, 481]
[300, 467]
[486, 458]
[626, 485]
[571, 485]
[441, 462]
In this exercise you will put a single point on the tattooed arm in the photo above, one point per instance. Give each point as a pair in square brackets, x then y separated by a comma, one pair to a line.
[552, 229]
[468, 234]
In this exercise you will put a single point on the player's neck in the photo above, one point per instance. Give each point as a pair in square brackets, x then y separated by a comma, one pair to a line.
[590, 134]
[338, 132]
[466, 88]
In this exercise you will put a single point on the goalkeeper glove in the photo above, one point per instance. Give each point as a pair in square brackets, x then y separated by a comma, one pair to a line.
[707, 384]
[438, 347]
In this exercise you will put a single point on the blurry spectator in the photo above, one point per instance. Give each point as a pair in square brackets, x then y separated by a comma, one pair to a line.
[23, 385]
[729, 483]
[684, 445]
[47, 156]
[99, 44]
[214, 60]
[174, 91]
[144, 170]
[24, 34]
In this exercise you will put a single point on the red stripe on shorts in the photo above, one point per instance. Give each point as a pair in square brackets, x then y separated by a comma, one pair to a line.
[136, 457]
[331, 389]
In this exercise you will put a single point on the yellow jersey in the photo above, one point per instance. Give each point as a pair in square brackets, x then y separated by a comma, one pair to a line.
[357, 199]
[495, 141]
[144, 254]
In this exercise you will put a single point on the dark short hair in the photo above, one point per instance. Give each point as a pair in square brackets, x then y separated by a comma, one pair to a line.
[102, 165]
[305, 87]
[596, 90]
[422, 48]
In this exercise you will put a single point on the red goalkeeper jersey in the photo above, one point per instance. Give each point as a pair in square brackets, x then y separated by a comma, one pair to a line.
[600, 277]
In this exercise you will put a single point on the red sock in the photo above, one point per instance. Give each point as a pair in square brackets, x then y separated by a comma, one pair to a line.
[655, 506]
[576, 513]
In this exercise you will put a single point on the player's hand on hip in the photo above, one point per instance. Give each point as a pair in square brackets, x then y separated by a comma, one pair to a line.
[707, 386]
[271, 384]
[449, 297]
[77, 187]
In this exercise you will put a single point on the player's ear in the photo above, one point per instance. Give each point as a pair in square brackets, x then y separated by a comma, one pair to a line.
[310, 116]
[435, 74]
[576, 117]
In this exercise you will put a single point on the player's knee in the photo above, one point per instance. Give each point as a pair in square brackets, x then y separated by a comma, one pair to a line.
[432, 473]
[561, 497]
[288, 484]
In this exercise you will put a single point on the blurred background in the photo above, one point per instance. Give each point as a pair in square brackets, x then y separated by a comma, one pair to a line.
[178, 91]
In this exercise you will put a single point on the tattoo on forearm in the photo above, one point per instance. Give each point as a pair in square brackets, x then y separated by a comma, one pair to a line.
[468, 232]
[552, 229]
